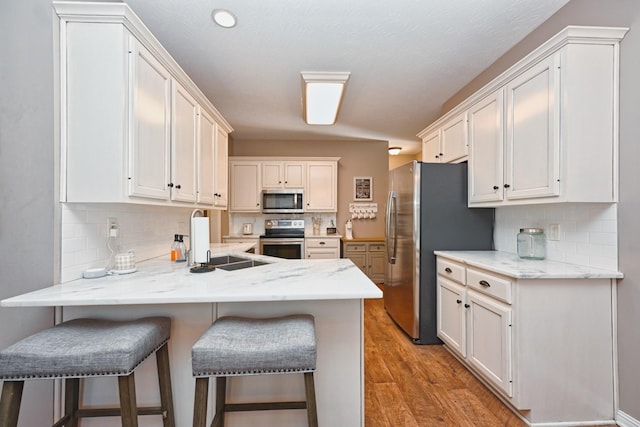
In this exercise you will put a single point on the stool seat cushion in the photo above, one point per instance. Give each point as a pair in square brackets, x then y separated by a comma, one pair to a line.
[85, 347]
[243, 346]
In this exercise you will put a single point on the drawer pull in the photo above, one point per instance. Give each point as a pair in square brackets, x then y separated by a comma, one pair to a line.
[448, 270]
[459, 301]
[322, 243]
[484, 283]
[467, 306]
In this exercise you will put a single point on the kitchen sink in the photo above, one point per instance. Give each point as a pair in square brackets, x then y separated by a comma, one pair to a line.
[232, 262]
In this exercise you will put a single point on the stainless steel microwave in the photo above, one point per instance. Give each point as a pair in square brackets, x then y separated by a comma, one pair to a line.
[283, 200]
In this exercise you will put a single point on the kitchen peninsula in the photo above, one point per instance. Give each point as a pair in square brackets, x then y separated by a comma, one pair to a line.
[331, 290]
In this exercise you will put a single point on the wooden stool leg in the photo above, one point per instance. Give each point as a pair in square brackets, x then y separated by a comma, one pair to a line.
[71, 401]
[164, 379]
[128, 405]
[310, 392]
[10, 403]
[221, 401]
[200, 403]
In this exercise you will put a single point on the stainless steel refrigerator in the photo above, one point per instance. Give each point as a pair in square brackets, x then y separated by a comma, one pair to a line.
[426, 211]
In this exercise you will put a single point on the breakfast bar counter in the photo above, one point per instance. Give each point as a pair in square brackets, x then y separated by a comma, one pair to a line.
[331, 290]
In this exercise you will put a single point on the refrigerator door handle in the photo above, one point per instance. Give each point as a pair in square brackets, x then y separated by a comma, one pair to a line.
[392, 227]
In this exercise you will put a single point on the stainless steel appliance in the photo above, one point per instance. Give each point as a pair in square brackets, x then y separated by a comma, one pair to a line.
[283, 238]
[426, 211]
[283, 200]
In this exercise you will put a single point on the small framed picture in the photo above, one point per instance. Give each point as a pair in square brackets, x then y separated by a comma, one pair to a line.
[362, 188]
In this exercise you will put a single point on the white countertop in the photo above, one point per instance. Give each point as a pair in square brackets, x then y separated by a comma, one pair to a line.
[511, 265]
[160, 281]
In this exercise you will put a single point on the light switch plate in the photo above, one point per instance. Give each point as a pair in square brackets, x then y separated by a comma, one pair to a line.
[554, 232]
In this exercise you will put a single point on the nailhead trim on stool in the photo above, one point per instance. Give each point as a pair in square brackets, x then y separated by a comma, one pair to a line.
[236, 346]
[83, 348]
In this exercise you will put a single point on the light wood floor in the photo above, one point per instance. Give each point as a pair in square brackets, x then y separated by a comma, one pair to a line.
[408, 385]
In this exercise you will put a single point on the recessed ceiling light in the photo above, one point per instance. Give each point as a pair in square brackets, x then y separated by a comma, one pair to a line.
[224, 18]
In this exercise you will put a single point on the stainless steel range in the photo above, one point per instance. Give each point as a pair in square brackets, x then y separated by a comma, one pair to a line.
[283, 238]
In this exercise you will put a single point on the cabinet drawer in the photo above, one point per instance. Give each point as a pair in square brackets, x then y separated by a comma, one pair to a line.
[376, 247]
[355, 247]
[321, 243]
[451, 270]
[498, 287]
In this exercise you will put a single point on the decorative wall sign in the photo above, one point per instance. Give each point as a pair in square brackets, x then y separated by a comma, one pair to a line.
[362, 188]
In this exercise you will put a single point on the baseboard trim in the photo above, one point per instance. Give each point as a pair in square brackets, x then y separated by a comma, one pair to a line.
[626, 420]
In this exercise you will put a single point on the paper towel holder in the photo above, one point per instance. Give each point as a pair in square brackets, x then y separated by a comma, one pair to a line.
[190, 256]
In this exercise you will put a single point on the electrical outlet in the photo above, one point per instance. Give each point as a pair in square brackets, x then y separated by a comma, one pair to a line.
[112, 227]
[554, 232]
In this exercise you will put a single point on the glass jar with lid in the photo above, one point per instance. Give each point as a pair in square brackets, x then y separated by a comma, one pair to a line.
[532, 243]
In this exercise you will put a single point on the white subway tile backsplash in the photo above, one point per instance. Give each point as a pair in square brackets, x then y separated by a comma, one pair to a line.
[588, 231]
[148, 230]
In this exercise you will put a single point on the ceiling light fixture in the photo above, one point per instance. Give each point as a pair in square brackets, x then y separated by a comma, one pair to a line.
[394, 151]
[321, 96]
[224, 18]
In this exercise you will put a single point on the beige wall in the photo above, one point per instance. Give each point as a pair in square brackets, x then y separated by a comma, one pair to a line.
[401, 159]
[625, 13]
[357, 158]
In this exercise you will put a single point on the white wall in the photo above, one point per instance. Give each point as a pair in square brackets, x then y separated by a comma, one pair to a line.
[27, 207]
[588, 232]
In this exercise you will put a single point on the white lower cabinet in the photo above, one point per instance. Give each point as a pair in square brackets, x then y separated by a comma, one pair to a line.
[544, 345]
[321, 248]
[489, 339]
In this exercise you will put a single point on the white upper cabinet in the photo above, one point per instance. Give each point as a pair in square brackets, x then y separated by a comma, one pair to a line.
[431, 147]
[533, 141]
[221, 175]
[206, 158]
[184, 127]
[246, 185]
[486, 131]
[453, 139]
[129, 115]
[556, 138]
[277, 174]
[321, 192]
[316, 176]
[150, 138]
[545, 130]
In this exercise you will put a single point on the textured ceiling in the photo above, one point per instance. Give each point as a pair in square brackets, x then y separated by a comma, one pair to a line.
[406, 58]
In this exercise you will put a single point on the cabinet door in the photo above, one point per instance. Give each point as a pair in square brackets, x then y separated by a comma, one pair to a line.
[451, 315]
[489, 339]
[245, 186]
[272, 175]
[150, 114]
[486, 140]
[294, 174]
[453, 142]
[533, 132]
[184, 122]
[321, 188]
[376, 263]
[359, 259]
[221, 169]
[431, 147]
[206, 159]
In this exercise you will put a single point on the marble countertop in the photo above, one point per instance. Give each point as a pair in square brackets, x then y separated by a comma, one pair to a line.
[160, 281]
[511, 265]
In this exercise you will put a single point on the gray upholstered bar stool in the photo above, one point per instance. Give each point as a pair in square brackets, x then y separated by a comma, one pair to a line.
[235, 346]
[84, 348]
